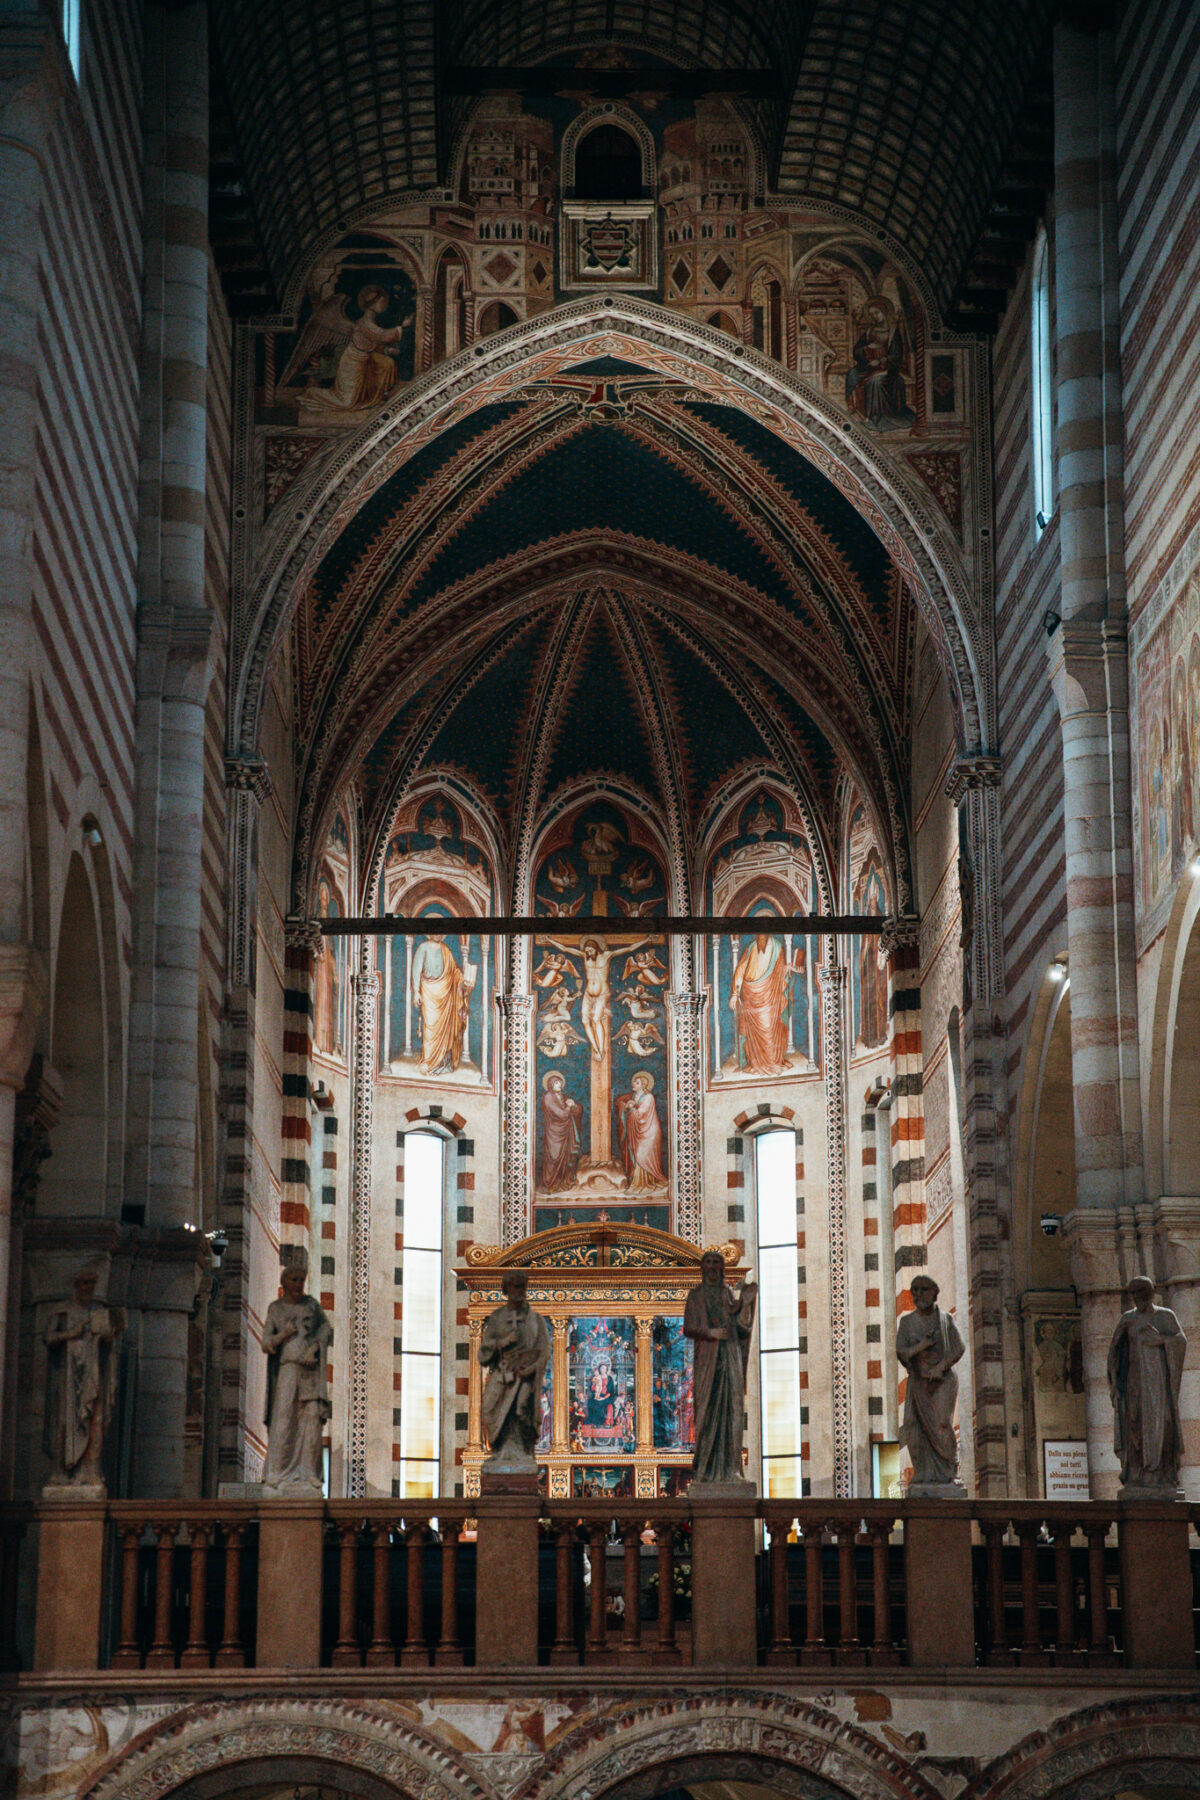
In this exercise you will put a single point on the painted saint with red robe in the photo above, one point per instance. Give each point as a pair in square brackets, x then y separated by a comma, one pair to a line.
[757, 998]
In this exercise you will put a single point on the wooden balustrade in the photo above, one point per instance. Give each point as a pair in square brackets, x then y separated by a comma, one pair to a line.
[216, 1584]
[398, 1577]
[1047, 1584]
[830, 1583]
[637, 1542]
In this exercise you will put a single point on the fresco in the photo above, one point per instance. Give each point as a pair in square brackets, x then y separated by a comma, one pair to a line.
[603, 1386]
[868, 995]
[673, 1401]
[546, 1430]
[421, 282]
[600, 1036]
[602, 1484]
[436, 1013]
[330, 974]
[764, 1011]
[1166, 660]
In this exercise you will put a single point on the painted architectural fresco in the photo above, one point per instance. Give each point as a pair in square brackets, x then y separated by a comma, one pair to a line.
[437, 1019]
[603, 1386]
[1166, 723]
[764, 1012]
[331, 975]
[529, 226]
[867, 893]
[600, 1030]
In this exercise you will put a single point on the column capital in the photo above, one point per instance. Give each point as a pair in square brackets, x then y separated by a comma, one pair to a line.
[972, 773]
[1095, 1237]
[901, 931]
[685, 1005]
[832, 977]
[249, 775]
[23, 991]
[1089, 665]
[302, 934]
[179, 638]
[515, 1006]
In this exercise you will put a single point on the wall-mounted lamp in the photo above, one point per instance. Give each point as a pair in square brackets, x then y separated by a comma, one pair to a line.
[1051, 621]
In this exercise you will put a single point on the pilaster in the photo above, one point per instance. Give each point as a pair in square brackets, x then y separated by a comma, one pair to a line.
[833, 1039]
[516, 1114]
[685, 1013]
[362, 1139]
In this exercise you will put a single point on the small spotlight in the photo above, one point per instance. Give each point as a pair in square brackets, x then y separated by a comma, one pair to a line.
[1050, 1224]
[91, 831]
[1051, 621]
[218, 1243]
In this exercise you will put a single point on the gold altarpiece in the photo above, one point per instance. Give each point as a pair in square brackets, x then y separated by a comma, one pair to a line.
[618, 1398]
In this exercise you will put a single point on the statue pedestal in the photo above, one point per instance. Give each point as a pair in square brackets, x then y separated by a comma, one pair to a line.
[936, 1490]
[723, 1590]
[1160, 1496]
[70, 1581]
[506, 1569]
[1156, 1592]
[291, 1534]
[937, 1573]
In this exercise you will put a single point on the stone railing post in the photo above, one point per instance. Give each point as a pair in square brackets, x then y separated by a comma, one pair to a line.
[70, 1585]
[1156, 1586]
[291, 1534]
[939, 1596]
[724, 1624]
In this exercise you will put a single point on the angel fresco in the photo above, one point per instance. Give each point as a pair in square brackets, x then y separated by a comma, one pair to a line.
[352, 347]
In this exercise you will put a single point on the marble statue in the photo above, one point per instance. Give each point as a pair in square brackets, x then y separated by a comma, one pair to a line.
[514, 1348]
[927, 1348]
[1145, 1368]
[719, 1323]
[296, 1338]
[82, 1383]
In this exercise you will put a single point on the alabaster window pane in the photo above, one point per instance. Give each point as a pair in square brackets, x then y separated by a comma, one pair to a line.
[781, 1403]
[421, 1326]
[778, 1299]
[775, 1179]
[424, 1162]
[782, 1477]
[419, 1480]
[419, 1406]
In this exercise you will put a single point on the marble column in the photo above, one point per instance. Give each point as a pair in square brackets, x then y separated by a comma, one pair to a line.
[685, 1013]
[516, 1114]
[30, 91]
[833, 1040]
[364, 1066]
[1089, 670]
[174, 632]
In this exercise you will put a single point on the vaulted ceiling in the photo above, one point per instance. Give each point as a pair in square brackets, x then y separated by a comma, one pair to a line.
[901, 111]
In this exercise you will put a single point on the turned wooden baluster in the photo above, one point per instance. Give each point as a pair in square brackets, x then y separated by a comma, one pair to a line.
[1031, 1636]
[449, 1650]
[780, 1651]
[381, 1652]
[230, 1654]
[849, 1650]
[161, 1655]
[631, 1648]
[998, 1651]
[195, 1651]
[882, 1649]
[1097, 1591]
[666, 1650]
[597, 1643]
[563, 1649]
[127, 1655]
[415, 1654]
[1064, 1593]
[346, 1652]
[814, 1649]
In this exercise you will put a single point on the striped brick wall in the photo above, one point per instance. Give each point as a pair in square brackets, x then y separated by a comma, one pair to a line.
[874, 1312]
[1158, 195]
[295, 1170]
[907, 1119]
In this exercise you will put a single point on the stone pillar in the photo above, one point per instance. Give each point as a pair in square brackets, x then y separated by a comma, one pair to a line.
[362, 1142]
[1089, 671]
[516, 1114]
[833, 1044]
[685, 1013]
[900, 945]
[30, 91]
[174, 630]
[974, 788]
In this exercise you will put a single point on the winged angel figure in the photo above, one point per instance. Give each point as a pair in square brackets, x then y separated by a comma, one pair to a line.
[366, 370]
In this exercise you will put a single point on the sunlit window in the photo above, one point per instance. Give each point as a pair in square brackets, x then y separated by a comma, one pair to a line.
[71, 23]
[779, 1311]
[421, 1324]
[1041, 398]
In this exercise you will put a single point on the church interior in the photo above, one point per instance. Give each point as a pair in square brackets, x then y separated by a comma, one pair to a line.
[600, 679]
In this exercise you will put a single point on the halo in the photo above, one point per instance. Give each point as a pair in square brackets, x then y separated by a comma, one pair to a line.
[551, 1075]
[643, 1075]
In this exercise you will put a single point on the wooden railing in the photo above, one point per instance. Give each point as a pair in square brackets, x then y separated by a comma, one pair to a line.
[513, 1582]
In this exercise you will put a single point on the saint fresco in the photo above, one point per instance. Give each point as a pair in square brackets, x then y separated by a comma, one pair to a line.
[868, 995]
[1166, 708]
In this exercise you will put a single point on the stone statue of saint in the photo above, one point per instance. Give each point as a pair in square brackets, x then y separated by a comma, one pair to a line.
[296, 1338]
[719, 1323]
[514, 1348]
[927, 1348]
[81, 1338]
[1145, 1367]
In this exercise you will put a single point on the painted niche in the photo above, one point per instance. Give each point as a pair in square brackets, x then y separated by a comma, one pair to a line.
[600, 1032]
[867, 888]
[764, 1003]
[1167, 731]
[437, 986]
[331, 985]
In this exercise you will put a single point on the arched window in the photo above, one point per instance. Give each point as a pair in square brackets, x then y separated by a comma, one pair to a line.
[72, 30]
[779, 1311]
[494, 317]
[420, 1434]
[608, 165]
[1041, 393]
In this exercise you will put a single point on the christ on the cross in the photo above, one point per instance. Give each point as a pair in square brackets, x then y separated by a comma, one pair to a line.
[596, 1012]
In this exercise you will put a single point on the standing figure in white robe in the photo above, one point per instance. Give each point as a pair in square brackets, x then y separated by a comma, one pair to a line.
[296, 1338]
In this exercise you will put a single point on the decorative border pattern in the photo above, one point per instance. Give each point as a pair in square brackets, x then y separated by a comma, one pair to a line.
[833, 1042]
[362, 1107]
[516, 1115]
[686, 1012]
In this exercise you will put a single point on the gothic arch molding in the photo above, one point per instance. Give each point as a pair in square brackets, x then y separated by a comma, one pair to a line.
[372, 1741]
[1093, 1754]
[790, 1744]
[339, 482]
